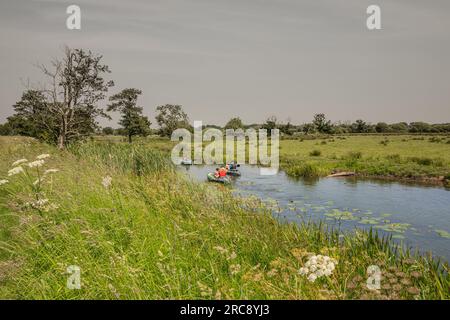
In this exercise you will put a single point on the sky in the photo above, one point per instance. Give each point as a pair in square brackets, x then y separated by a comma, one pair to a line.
[246, 58]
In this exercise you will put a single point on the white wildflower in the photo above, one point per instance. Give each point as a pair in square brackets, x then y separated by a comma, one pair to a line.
[303, 271]
[232, 256]
[20, 161]
[51, 171]
[312, 277]
[106, 182]
[43, 156]
[3, 181]
[37, 163]
[318, 266]
[41, 202]
[235, 268]
[15, 170]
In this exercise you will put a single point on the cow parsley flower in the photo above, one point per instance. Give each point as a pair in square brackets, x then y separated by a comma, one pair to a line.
[318, 266]
[15, 171]
[42, 156]
[51, 171]
[106, 182]
[20, 161]
[37, 164]
[3, 181]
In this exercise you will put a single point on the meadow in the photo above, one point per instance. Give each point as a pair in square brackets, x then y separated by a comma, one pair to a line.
[423, 158]
[138, 229]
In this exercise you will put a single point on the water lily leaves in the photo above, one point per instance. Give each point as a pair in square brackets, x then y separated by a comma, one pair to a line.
[341, 215]
[443, 233]
[395, 227]
[398, 236]
[369, 221]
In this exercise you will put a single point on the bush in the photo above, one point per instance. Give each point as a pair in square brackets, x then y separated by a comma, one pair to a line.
[393, 157]
[315, 153]
[353, 155]
[424, 161]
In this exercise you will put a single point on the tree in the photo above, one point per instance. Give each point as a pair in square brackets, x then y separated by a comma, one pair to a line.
[234, 123]
[170, 117]
[399, 127]
[133, 122]
[321, 124]
[32, 117]
[419, 127]
[108, 131]
[271, 123]
[360, 126]
[382, 127]
[66, 107]
[308, 128]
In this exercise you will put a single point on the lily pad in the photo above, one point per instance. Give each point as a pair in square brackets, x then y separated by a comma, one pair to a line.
[368, 221]
[395, 227]
[443, 233]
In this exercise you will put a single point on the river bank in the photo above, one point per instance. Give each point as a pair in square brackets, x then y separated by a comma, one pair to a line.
[138, 230]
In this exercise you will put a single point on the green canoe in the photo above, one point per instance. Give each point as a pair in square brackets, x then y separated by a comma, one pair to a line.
[212, 178]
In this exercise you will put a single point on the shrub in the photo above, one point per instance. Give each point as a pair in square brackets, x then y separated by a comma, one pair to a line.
[353, 155]
[393, 157]
[315, 153]
[424, 161]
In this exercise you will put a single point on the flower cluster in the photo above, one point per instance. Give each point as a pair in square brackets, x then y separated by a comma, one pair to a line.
[43, 156]
[3, 181]
[19, 162]
[15, 170]
[36, 164]
[318, 266]
[106, 182]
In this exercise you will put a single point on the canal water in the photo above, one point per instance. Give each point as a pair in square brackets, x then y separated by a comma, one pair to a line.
[417, 216]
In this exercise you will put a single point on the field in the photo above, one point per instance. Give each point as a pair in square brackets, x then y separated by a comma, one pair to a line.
[396, 156]
[137, 229]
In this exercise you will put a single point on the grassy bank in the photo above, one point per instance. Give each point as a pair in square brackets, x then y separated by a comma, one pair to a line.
[408, 157]
[139, 230]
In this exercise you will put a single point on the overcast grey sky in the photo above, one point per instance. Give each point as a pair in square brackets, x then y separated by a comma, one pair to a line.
[247, 58]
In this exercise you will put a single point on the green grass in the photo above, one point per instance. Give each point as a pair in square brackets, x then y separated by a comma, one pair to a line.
[152, 234]
[395, 156]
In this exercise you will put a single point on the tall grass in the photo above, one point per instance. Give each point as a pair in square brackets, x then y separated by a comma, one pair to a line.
[153, 234]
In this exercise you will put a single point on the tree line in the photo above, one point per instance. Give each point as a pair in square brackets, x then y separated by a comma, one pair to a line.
[65, 108]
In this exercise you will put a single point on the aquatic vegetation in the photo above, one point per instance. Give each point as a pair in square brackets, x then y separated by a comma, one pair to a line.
[369, 221]
[443, 233]
[395, 227]
[341, 215]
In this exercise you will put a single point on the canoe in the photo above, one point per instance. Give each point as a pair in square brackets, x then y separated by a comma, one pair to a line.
[212, 178]
[233, 172]
[186, 162]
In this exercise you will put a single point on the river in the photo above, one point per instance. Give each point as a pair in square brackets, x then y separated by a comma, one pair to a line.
[417, 216]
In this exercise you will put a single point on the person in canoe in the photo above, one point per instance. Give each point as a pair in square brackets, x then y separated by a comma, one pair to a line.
[216, 173]
[222, 172]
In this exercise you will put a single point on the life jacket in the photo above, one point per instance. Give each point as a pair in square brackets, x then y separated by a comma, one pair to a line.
[222, 172]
